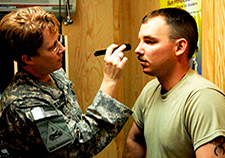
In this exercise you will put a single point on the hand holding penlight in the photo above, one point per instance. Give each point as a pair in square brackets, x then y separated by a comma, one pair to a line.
[103, 51]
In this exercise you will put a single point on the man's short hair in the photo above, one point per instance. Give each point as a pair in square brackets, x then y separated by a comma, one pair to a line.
[182, 25]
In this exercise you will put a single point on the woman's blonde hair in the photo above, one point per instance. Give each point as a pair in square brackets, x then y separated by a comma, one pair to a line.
[21, 32]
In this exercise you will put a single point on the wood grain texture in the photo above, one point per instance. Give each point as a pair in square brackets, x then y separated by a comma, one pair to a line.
[219, 55]
[92, 29]
[213, 49]
[208, 39]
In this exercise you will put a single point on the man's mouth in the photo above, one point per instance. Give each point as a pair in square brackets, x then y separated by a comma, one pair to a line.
[142, 59]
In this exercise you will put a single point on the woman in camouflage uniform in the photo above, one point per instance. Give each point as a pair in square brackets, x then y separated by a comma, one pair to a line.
[40, 115]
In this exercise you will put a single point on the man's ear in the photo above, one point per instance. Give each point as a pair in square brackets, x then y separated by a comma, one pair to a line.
[28, 60]
[181, 46]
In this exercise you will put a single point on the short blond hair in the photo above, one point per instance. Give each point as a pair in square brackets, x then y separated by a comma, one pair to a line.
[21, 32]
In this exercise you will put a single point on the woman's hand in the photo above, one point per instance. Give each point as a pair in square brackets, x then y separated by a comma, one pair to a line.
[113, 66]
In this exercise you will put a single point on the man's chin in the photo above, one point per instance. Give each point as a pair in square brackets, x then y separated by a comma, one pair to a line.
[148, 72]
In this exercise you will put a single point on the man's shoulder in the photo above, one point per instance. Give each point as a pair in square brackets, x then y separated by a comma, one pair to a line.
[198, 82]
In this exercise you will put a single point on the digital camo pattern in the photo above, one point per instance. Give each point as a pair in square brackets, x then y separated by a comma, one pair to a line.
[42, 121]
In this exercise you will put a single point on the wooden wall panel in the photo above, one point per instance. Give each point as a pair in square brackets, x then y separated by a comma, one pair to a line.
[208, 39]
[219, 51]
[213, 36]
[91, 29]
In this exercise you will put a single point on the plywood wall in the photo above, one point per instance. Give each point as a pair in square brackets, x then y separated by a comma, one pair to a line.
[213, 46]
[98, 23]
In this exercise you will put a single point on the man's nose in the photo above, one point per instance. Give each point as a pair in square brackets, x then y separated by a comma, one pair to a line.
[139, 49]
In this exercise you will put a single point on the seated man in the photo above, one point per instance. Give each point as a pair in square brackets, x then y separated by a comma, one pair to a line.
[179, 114]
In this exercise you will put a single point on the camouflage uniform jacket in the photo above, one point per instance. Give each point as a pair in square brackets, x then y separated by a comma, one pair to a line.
[38, 120]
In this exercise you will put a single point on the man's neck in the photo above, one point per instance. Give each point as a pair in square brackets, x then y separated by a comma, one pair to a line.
[169, 81]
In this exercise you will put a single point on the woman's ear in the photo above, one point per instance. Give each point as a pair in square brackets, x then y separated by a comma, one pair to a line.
[28, 60]
[181, 46]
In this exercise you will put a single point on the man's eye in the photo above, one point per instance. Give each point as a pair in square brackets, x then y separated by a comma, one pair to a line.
[150, 42]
